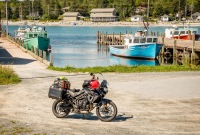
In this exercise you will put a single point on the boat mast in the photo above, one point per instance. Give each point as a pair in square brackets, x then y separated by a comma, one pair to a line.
[147, 27]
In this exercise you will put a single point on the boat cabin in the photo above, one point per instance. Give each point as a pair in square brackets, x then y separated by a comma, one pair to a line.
[137, 40]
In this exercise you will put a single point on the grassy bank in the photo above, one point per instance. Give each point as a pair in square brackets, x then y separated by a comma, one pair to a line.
[7, 75]
[129, 69]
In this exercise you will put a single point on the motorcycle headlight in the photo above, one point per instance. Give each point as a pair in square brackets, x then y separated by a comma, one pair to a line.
[105, 90]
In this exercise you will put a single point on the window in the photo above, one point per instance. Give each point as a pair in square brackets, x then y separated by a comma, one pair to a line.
[142, 40]
[149, 40]
[176, 32]
[30, 35]
[182, 32]
[194, 32]
[130, 40]
[136, 40]
[155, 40]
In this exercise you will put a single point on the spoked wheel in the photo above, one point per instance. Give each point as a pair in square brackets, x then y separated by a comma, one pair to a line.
[58, 110]
[107, 112]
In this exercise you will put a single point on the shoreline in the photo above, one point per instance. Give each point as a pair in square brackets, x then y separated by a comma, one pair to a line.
[101, 24]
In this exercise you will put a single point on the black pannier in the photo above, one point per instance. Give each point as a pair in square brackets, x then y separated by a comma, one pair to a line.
[56, 92]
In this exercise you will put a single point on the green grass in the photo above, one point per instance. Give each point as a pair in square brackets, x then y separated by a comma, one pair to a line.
[128, 69]
[8, 76]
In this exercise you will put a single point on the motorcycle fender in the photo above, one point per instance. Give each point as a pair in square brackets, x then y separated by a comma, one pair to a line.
[104, 101]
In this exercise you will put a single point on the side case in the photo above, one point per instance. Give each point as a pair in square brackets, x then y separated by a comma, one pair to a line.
[56, 92]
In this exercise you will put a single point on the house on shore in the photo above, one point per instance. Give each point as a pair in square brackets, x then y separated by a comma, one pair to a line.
[164, 18]
[196, 16]
[103, 15]
[71, 16]
[137, 18]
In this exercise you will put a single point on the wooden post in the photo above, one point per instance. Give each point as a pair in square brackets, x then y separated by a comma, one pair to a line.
[98, 37]
[51, 59]
[174, 49]
[32, 49]
[44, 55]
[27, 46]
[36, 51]
[193, 44]
[189, 34]
[163, 47]
[113, 38]
[178, 36]
[40, 53]
[120, 38]
[106, 38]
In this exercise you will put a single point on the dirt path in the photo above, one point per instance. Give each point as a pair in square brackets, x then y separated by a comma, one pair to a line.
[148, 103]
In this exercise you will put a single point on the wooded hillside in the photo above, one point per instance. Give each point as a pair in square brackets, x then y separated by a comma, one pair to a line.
[51, 9]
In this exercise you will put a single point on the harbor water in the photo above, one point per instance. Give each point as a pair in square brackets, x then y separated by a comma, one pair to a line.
[77, 46]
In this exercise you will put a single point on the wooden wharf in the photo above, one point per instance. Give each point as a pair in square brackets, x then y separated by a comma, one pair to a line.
[171, 47]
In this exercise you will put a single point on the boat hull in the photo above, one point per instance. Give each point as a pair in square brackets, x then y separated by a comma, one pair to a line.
[186, 37]
[144, 51]
[41, 43]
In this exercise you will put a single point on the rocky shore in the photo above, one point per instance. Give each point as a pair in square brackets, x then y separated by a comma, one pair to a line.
[88, 23]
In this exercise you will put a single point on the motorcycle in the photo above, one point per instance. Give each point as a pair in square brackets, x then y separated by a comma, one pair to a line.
[82, 101]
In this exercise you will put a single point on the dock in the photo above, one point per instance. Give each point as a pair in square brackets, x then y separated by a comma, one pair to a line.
[171, 47]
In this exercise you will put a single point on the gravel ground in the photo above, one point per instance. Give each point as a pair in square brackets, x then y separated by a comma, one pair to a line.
[148, 103]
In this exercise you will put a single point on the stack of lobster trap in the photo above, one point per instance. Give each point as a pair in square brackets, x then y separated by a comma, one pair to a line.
[59, 88]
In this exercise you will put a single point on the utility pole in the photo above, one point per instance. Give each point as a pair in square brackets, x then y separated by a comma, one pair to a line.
[6, 18]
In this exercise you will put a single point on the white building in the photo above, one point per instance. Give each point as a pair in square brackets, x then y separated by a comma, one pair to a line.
[136, 18]
[165, 18]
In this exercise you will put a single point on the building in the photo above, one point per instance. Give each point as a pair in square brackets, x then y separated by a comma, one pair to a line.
[196, 15]
[71, 16]
[103, 15]
[165, 18]
[136, 18]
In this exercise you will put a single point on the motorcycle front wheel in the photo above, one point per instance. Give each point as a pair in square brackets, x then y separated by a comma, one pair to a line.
[107, 112]
[57, 109]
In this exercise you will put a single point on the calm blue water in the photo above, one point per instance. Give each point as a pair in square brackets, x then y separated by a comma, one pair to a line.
[76, 46]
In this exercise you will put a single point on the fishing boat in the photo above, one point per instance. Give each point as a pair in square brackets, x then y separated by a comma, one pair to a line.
[138, 46]
[182, 32]
[33, 37]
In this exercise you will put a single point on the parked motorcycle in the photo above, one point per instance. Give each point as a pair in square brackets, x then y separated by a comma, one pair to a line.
[82, 101]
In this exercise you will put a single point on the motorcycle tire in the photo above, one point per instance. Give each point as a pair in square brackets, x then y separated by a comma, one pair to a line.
[58, 111]
[101, 110]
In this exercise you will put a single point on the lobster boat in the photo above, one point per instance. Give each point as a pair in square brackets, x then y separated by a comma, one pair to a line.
[144, 47]
[35, 37]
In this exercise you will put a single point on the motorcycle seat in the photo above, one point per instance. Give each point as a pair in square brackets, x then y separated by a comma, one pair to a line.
[75, 92]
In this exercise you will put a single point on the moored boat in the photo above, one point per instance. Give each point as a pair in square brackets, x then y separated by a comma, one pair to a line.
[35, 37]
[145, 47]
[182, 32]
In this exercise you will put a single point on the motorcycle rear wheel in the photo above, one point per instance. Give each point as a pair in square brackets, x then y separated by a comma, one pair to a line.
[58, 111]
[107, 113]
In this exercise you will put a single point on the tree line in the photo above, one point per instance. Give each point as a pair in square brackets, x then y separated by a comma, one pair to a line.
[52, 9]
